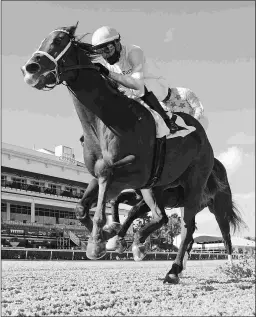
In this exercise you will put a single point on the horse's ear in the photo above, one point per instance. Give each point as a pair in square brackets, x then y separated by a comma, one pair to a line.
[73, 29]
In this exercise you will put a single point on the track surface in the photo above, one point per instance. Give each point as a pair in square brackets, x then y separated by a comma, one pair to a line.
[116, 288]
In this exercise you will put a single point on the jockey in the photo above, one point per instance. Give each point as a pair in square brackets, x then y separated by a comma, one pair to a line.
[127, 65]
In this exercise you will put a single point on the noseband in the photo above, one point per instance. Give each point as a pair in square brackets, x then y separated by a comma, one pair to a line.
[56, 72]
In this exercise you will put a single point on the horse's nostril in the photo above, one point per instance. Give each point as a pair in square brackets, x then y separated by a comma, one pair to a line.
[32, 68]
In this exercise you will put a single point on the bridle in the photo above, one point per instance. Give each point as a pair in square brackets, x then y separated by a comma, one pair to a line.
[57, 71]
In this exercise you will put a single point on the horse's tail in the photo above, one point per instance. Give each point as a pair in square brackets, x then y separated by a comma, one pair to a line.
[220, 190]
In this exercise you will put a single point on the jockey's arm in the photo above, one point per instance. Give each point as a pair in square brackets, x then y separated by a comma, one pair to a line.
[136, 79]
[196, 105]
[198, 112]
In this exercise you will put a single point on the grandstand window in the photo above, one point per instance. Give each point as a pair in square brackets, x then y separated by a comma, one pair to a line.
[51, 213]
[3, 207]
[19, 180]
[25, 210]
[68, 189]
[56, 213]
[54, 186]
[14, 209]
[56, 189]
[72, 215]
[41, 212]
[3, 180]
[20, 209]
[40, 184]
[62, 214]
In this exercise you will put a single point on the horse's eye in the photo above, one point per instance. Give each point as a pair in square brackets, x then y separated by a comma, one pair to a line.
[57, 41]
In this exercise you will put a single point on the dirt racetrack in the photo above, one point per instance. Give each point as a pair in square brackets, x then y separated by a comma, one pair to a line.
[121, 288]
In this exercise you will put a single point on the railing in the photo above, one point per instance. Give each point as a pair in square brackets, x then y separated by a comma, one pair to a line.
[20, 223]
[51, 254]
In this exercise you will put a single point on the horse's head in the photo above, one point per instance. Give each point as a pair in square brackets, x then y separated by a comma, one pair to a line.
[55, 56]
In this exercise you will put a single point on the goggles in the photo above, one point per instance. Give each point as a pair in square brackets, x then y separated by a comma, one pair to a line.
[104, 48]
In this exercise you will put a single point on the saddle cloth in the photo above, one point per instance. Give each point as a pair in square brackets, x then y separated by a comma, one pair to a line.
[161, 127]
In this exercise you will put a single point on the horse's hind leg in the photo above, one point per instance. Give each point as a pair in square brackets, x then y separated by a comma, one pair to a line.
[154, 201]
[187, 229]
[194, 181]
[218, 209]
[130, 197]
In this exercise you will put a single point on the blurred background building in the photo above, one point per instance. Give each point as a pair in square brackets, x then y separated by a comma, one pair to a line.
[39, 191]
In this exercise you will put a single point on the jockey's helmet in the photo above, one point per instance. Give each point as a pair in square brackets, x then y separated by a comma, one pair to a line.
[106, 42]
[103, 35]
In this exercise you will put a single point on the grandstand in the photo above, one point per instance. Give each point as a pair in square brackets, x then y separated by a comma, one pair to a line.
[205, 243]
[39, 190]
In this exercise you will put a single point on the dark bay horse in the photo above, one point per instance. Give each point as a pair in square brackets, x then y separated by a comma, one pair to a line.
[217, 197]
[119, 142]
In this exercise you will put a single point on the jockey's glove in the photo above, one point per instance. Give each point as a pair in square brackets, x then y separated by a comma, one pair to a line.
[103, 69]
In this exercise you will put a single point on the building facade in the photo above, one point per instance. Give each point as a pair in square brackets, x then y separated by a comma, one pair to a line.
[42, 187]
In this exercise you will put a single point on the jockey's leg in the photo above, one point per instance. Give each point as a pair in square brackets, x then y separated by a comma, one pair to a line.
[153, 102]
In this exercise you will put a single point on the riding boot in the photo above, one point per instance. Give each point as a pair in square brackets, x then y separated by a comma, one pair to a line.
[153, 102]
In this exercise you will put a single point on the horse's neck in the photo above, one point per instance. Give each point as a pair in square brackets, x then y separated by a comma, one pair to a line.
[87, 117]
[98, 100]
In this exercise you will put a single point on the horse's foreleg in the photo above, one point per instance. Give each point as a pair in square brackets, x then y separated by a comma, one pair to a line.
[123, 197]
[82, 208]
[96, 247]
[118, 242]
[114, 210]
[159, 217]
[136, 212]
[189, 248]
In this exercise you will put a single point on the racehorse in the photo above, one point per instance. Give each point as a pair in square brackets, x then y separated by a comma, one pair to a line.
[119, 143]
[217, 196]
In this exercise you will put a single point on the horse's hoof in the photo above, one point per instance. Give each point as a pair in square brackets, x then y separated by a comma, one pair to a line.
[95, 250]
[121, 246]
[116, 244]
[139, 251]
[112, 244]
[111, 230]
[171, 279]
[181, 274]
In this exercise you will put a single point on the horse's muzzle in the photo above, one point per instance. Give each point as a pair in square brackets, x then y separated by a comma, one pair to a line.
[32, 68]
